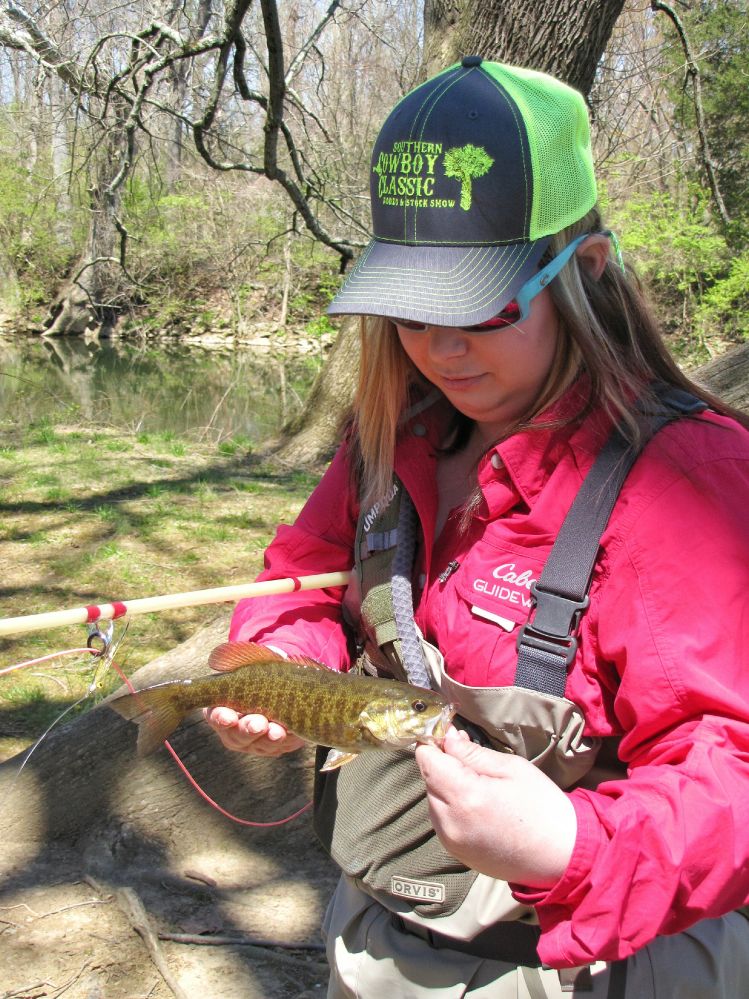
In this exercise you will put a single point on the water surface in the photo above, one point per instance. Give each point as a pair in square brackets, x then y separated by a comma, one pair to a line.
[163, 387]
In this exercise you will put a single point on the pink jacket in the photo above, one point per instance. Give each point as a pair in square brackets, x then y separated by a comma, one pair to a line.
[663, 660]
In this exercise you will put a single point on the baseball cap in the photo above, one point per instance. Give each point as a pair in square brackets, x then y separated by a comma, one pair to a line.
[472, 172]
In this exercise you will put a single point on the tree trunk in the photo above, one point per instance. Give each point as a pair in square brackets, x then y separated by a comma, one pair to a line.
[84, 786]
[90, 297]
[86, 300]
[86, 817]
[312, 435]
[562, 37]
[565, 37]
[10, 294]
[727, 377]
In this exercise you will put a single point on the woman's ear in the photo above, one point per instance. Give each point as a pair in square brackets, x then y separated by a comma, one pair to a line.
[593, 253]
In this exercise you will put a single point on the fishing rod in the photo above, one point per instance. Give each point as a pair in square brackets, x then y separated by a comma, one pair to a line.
[169, 601]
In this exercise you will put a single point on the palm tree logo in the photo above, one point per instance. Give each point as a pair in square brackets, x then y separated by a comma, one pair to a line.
[466, 163]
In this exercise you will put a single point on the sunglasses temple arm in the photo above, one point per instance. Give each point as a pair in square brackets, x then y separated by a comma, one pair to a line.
[545, 276]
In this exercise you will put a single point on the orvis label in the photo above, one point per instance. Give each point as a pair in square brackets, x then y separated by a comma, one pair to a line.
[417, 891]
[508, 584]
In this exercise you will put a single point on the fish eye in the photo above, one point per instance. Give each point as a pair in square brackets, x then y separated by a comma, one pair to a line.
[419, 706]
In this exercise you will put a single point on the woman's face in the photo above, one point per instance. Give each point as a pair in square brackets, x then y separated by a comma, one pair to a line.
[493, 378]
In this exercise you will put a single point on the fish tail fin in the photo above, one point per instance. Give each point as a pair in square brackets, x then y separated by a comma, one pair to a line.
[155, 714]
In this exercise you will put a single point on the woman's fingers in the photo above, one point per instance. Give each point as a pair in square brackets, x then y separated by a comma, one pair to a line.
[251, 733]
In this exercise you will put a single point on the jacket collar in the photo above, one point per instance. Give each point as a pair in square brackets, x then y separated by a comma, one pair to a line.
[529, 457]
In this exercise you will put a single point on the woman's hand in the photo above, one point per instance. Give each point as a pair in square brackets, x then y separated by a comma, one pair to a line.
[251, 733]
[496, 812]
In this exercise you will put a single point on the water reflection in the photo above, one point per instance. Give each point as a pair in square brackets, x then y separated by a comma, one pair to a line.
[156, 387]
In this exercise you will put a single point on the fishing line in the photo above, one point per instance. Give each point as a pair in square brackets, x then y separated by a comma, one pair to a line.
[43, 659]
[203, 794]
[41, 739]
[43, 736]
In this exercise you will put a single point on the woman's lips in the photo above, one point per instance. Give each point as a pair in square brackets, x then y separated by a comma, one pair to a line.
[456, 383]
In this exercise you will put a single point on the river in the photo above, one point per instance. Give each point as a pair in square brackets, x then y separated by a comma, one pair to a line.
[153, 387]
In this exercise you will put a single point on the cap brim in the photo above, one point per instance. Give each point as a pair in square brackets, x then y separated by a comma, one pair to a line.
[438, 285]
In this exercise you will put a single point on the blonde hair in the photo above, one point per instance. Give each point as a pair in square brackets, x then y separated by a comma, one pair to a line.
[607, 331]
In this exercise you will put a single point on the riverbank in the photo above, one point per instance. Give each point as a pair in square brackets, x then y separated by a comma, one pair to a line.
[214, 321]
[90, 514]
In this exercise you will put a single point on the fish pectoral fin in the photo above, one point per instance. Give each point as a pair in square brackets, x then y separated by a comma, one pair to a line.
[336, 758]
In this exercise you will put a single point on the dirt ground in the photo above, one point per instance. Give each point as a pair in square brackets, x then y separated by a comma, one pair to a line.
[86, 919]
[63, 933]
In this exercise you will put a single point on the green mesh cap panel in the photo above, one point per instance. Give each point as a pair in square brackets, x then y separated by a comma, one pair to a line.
[556, 121]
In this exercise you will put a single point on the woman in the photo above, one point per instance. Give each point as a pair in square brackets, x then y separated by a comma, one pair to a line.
[585, 834]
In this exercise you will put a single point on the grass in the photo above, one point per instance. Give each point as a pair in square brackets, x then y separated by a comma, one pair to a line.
[89, 515]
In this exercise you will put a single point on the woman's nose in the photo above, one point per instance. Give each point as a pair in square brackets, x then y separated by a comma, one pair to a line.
[446, 341]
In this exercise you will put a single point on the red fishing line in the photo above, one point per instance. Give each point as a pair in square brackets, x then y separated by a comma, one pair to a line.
[44, 659]
[199, 789]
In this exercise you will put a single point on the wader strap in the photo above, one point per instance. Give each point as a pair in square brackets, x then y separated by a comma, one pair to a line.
[547, 644]
[617, 980]
[411, 652]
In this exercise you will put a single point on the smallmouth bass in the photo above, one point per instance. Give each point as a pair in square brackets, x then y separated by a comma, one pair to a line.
[348, 712]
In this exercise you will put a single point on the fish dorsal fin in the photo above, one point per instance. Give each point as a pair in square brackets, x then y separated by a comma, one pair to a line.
[232, 655]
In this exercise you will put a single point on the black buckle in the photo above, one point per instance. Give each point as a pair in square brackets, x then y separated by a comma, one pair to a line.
[556, 620]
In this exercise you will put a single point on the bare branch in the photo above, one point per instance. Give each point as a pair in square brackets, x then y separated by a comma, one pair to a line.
[301, 55]
[28, 37]
[693, 72]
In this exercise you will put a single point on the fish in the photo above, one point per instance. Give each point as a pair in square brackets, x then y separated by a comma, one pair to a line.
[347, 712]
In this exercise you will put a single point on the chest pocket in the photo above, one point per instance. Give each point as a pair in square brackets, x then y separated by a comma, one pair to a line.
[493, 601]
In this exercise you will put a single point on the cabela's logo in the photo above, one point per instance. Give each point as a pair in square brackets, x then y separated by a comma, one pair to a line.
[408, 173]
[508, 585]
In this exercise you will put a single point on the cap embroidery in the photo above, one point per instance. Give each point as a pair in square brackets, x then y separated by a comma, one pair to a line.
[465, 163]
[406, 174]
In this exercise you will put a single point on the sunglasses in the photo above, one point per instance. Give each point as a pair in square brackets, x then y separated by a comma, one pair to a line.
[519, 309]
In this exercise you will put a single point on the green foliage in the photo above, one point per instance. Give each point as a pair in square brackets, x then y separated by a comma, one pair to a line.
[718, 32]
[30, 232]
[725, 306]
[700, 287]
[320, 326]
[675, 245]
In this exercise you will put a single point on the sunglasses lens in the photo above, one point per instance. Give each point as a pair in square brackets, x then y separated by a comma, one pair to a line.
[510, 314]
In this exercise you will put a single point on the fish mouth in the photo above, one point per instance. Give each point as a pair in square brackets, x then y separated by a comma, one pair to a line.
[436, 728]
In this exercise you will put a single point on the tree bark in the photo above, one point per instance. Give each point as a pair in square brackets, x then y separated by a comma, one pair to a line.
[84, 786]
[90, 297]
[727, 377]
[10, 295]
[564, 37]
[312, 435]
